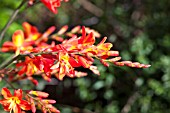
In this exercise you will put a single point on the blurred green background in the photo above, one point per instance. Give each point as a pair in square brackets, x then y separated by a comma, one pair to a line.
[139, 29]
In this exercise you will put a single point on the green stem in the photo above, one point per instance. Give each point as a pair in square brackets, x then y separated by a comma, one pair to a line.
[14, 57]
[11, 20]
[9, 61]
[7, 82]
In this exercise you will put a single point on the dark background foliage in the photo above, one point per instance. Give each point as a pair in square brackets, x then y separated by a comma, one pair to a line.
[139, 29]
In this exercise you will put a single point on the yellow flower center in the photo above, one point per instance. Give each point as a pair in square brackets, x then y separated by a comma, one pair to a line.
[13, 101]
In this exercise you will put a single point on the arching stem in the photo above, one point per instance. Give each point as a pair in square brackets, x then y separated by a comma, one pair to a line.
[11, 19]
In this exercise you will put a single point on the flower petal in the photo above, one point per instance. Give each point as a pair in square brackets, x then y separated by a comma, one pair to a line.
[17, 109]
[6, 93]
[18, 38]
[18, 93]
[24, 105]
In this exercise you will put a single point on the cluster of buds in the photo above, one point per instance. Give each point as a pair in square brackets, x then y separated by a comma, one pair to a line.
[38, 101]
[61, 59]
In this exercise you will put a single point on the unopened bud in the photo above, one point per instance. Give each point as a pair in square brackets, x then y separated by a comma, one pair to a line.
[104, 63]
[39, 94]
[48, 101]
[113, 53]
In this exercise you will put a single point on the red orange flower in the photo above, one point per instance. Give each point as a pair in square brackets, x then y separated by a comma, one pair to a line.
[17, 43]
[62, 59]
[63, 66]
[30, 32]
[23, 41]
[28, 66]
[52, 5]
[14, 102]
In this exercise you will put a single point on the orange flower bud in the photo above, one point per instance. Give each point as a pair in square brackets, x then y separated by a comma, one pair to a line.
[113, 53]
[48, 101]
[33, 108]
[115, 59]
[62, 30]
[83, 62]
[75, 29]
[119, 63]
[104, 63]
[39, 94]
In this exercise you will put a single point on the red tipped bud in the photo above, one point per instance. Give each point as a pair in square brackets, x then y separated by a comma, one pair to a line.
[146, 66]
[94, 70]
[113, 53]
[33, 108]
[80, 74]
[104, 63]
[39, 94]
[115, 59]
[49, 31]
[83, 62]
[75, 29]
[57, 38]
[52, 108]
[119, 63]
[62, 30]
[34, 81]
[47, 101]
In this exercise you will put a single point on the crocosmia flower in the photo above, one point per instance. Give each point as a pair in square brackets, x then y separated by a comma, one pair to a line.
[18, 43]
[52, 4]
[14, 102]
